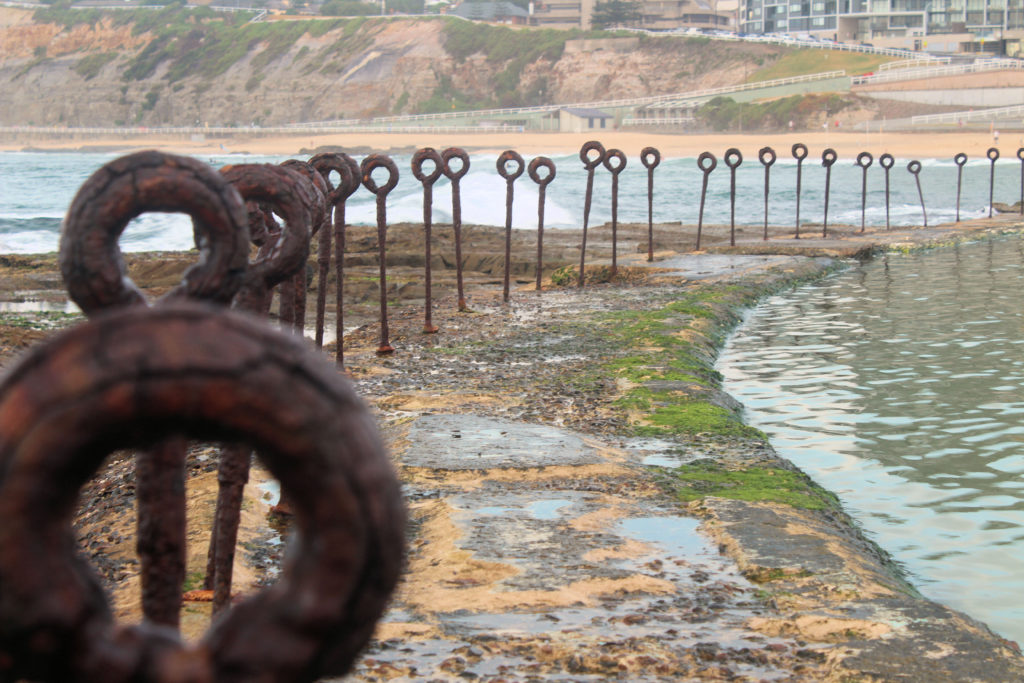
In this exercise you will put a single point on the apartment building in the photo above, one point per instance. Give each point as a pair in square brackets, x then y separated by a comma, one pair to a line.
[655, 14]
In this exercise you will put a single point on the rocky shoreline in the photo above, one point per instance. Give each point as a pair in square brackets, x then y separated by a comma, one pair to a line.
[586, 502]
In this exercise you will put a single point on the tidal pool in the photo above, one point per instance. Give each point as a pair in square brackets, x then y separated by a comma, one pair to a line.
[899, 385]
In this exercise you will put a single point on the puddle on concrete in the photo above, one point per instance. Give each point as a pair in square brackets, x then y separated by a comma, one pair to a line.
[38, 306]
[673, 534]
[705, 266]
[660, 452]
[464, 442]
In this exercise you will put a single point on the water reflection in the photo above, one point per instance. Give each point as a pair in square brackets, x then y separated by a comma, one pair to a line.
[899, 384]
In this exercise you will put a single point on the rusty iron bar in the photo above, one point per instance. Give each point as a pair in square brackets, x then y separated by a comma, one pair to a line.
[886, 161]
[706, 162]
[960, 159]
[915, 169]
[828, 157]
[212, 375]
[733, 158]
[348, 182]
[509, 157]
[589, 164]
[455, 176]
[766, 155]
[799, 152]
[95, 276]
[542, 184]
[615, 170]
[864, 160]
[993, 155]
[1020, 155]
[367, 167]
[650, 157]
[427, 179]
[295, 289]
[283, 252]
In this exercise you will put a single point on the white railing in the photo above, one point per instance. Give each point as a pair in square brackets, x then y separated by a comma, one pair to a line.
[664, 121]
[1014, 111]
[920, 61]
[247, 130]
[936, 72]
[691, 98]
[603, 104]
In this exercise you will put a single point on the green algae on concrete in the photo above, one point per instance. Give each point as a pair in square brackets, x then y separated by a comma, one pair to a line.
[774, 485]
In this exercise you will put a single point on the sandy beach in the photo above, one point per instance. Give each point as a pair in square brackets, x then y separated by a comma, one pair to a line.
[902, 145]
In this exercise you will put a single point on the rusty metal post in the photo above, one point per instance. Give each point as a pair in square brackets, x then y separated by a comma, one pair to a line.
[706, 162]
[506, 157]
[455, 176]
[321, 211]
[766, 155]
[427, 179]
[650, 157]
[993, 155]
[886, 161]
[615, 170]
[542, 184]
[95, 276]
[915, 168]
[1020, 155]
[589, 164]
[733, 158]
[960, 159]
[369, 165]
[135, 376]
[828, 157]
[864, 160]
[799, 152]
[349, 181]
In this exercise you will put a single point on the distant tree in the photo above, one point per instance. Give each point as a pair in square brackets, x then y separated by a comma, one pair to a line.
[614, 13]
[348, 8]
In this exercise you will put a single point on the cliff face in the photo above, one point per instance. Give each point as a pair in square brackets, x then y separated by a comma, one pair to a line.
[109, 70]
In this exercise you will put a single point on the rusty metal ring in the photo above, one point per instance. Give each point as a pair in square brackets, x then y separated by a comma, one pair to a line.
[427, 154]
[960, 159]
[1020, 153]
[90, 260]
[347, 170]
[864, 159]
[538, 163]
[318, 193]
[886, 161]
[211, 374]
[504, 158]
[371, 164]
[992, 153]
[914, 167]
[828, 157]
[287, 192]
[592, 146]
[733, 157]
[650, 157]
[766, 153]
[707, 157]
[455, 153]
[799, 151]
[617, 155]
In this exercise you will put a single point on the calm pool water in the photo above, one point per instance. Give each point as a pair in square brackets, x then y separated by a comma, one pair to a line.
[899, 385]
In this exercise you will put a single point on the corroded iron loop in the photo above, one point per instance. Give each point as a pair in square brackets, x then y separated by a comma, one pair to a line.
[799, 151]
[90, 260]
[1020, 153]
[591, 162]
[706, 162]
[733, 158]
[207, 374]
[828, 157]
[992, 153]
[317, 195]
[454, 153]
[864, 159]
[534, 170]
[287, 192]
[960, 159]
[914, 167]
[766, 155]
[421, 156]
[887, 161]
[371, 164]
[650, 157]
[347, 170]
[614, 161]
[507, 157]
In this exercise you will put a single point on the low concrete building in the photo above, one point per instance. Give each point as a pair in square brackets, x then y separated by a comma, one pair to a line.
[583, 120]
